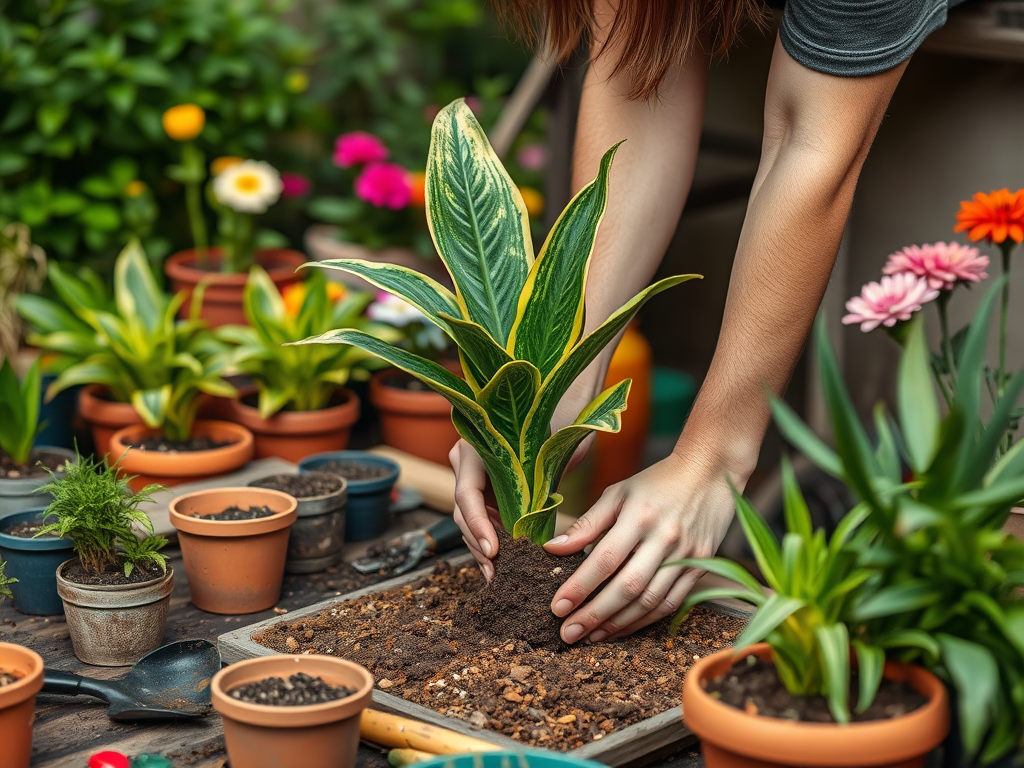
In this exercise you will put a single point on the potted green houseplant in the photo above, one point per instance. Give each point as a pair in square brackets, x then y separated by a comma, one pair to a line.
[301, 405]
[33, 561]
[23, 466]
[117, 588]
[240, 189]
[517, 322]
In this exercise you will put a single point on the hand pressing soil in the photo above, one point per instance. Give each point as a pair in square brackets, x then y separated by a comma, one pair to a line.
[237, 513]
[297, 691]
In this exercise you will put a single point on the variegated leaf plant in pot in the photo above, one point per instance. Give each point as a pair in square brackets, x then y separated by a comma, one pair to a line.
[518, 322]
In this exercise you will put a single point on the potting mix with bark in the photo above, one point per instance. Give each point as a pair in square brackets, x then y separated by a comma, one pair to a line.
[491, 654]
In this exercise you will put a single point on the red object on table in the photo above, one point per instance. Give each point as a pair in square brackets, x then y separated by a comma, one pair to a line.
[109, 760]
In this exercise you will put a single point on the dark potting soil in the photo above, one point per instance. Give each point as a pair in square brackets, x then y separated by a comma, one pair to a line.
[354, 470]
[112, 575]
[193, 444]
[6, 678]
[424, 642]
[27, 529]
[754, 687]
[237, 513]
[10, 470]
[298, 690]
[303, 486]
[391, 555]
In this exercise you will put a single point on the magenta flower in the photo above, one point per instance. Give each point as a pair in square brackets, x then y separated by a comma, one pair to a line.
[358, 148]
[294, 185]
[532, 156]
[384, 185]
[943, 265]
[893, 299]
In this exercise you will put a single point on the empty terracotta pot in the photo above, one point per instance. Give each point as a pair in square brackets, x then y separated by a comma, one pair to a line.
[172, 468]
[233, 566]
[223, 296]
[293, 435]
[418, 422]
[104, 417]
[18, 703]
[731, 738]
[314, 736]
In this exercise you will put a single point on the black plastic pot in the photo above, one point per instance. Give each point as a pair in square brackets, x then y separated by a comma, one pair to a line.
[33, 562]
[367, 515]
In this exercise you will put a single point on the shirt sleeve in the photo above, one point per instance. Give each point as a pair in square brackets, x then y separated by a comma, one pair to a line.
[854, 38]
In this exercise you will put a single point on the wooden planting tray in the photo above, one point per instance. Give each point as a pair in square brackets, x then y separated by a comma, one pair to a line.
[634, 745]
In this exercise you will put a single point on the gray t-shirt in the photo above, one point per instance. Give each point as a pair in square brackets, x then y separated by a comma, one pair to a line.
[858, 37]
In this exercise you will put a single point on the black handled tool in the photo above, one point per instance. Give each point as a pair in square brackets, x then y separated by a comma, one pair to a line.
[401, 555]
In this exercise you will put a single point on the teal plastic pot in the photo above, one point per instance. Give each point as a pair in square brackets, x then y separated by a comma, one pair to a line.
[524, 759]
[367, 513]
[33, 562]
[57, 416]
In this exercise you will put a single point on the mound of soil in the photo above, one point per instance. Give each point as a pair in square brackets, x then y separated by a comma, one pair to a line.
[354, 470]
[297, 691]
[37, 465]
[428, 643]
[755, 688]
[237, 513]
[6, 678]
[304, 486]
[163, 445]
[112, 575]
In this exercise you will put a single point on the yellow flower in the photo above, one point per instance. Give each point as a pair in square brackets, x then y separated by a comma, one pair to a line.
[134, 188]
[335, 291]
[221, 164]
[184, 122]
[533, 200]
[294, 296]
[296, 81]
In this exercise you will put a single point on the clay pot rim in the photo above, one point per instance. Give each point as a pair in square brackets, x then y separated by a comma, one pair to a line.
[234, 528]
[266, 715]
[29, 684]
[329, 419]
[343, 491]
[356, 487]
[173, 464]
[62, 581]
[397, 400]
[178, 266]
[23, 544]
[816, 740]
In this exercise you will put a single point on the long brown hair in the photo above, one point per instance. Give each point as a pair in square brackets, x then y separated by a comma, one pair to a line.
[652, 35]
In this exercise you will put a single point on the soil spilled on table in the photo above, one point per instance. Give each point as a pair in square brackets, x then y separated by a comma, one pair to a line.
[37, 465]
[164, 445]
[422, 642]
[237, 513]
[305, 486]
[754, 687]
[6, 678]
[112, 575]
[354, 470]
[297, 691]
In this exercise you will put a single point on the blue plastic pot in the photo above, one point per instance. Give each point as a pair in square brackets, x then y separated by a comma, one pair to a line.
[525, 759]
[33, 562]
[367, 515]
[57, 416]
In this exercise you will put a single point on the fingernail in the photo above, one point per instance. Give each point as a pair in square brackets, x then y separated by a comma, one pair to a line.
[485, 545]
[562, 607]
[598, 636]
[572, 633]
[558, 540]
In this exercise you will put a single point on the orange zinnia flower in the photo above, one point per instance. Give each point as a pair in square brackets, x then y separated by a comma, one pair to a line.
[993, 217]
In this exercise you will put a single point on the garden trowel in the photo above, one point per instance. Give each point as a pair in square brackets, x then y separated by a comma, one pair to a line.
[404, 553]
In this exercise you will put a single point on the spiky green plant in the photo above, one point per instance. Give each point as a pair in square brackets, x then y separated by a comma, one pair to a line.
[96, 510]
[517, 320]
[5, 582]
[19, 411]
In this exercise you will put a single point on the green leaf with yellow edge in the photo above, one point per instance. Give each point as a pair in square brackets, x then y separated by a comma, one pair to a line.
[508, 397]
[152, 404]
[135, 288]
[538, 525]
[482, 357]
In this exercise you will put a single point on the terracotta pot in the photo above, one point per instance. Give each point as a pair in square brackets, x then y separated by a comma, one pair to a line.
[1014, 524]
[293, 435]
[104, 417]
[731, 738]
[173, 467]
[222, 300]
[314, 736]
[233, 566]
[417, 422]
[115, 626]
[18, 703]
[19, 494]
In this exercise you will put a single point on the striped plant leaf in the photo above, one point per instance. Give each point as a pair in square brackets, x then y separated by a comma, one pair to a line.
[478, 221]
[481, 355]
[152, 404]
[538, 524]
[549, 318]
[135, 288]
[508, 397]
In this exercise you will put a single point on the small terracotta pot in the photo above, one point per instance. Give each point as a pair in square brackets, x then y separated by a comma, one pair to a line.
[293, 435]
[419, 423]
[223, 297]
[18, 703]
[1014, 524]
[314, 736]
[233, 566]
[104, 417]
[174, 468]
[115, 626]
[731, 738]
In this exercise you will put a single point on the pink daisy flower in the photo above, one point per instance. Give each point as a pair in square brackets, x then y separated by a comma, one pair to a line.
[357, 148]
[943, 265]
[894, 298]
[294, 185]
[384, 185]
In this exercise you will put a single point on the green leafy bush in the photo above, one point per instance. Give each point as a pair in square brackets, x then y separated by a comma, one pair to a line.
[19, 411]
[96, 510]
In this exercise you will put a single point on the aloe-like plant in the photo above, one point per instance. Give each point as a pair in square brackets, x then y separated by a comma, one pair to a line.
[19, 411]
[517, 320]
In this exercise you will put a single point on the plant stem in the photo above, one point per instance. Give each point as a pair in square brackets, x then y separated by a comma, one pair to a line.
[193, 163]
[239, 257]
[947, 344]
[1005, 247]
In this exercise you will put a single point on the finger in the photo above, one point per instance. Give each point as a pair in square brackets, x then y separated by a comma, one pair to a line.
[628, 585]
[589, 527]
[485, 565]
[470, 482]
[651, 598]
[668, 606]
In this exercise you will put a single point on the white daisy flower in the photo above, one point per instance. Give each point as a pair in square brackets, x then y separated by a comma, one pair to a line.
[250, 186]
[392, 310]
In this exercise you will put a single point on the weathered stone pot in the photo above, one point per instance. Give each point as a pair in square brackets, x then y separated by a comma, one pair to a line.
[17, 495]
[316, 537]
[114, 626]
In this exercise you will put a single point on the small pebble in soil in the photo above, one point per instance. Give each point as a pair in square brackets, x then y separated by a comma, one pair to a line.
[27, 529]
[304, 486]
[193, 444]
[354, 470]
[6, 678]
[237, 513]
[298, 690]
